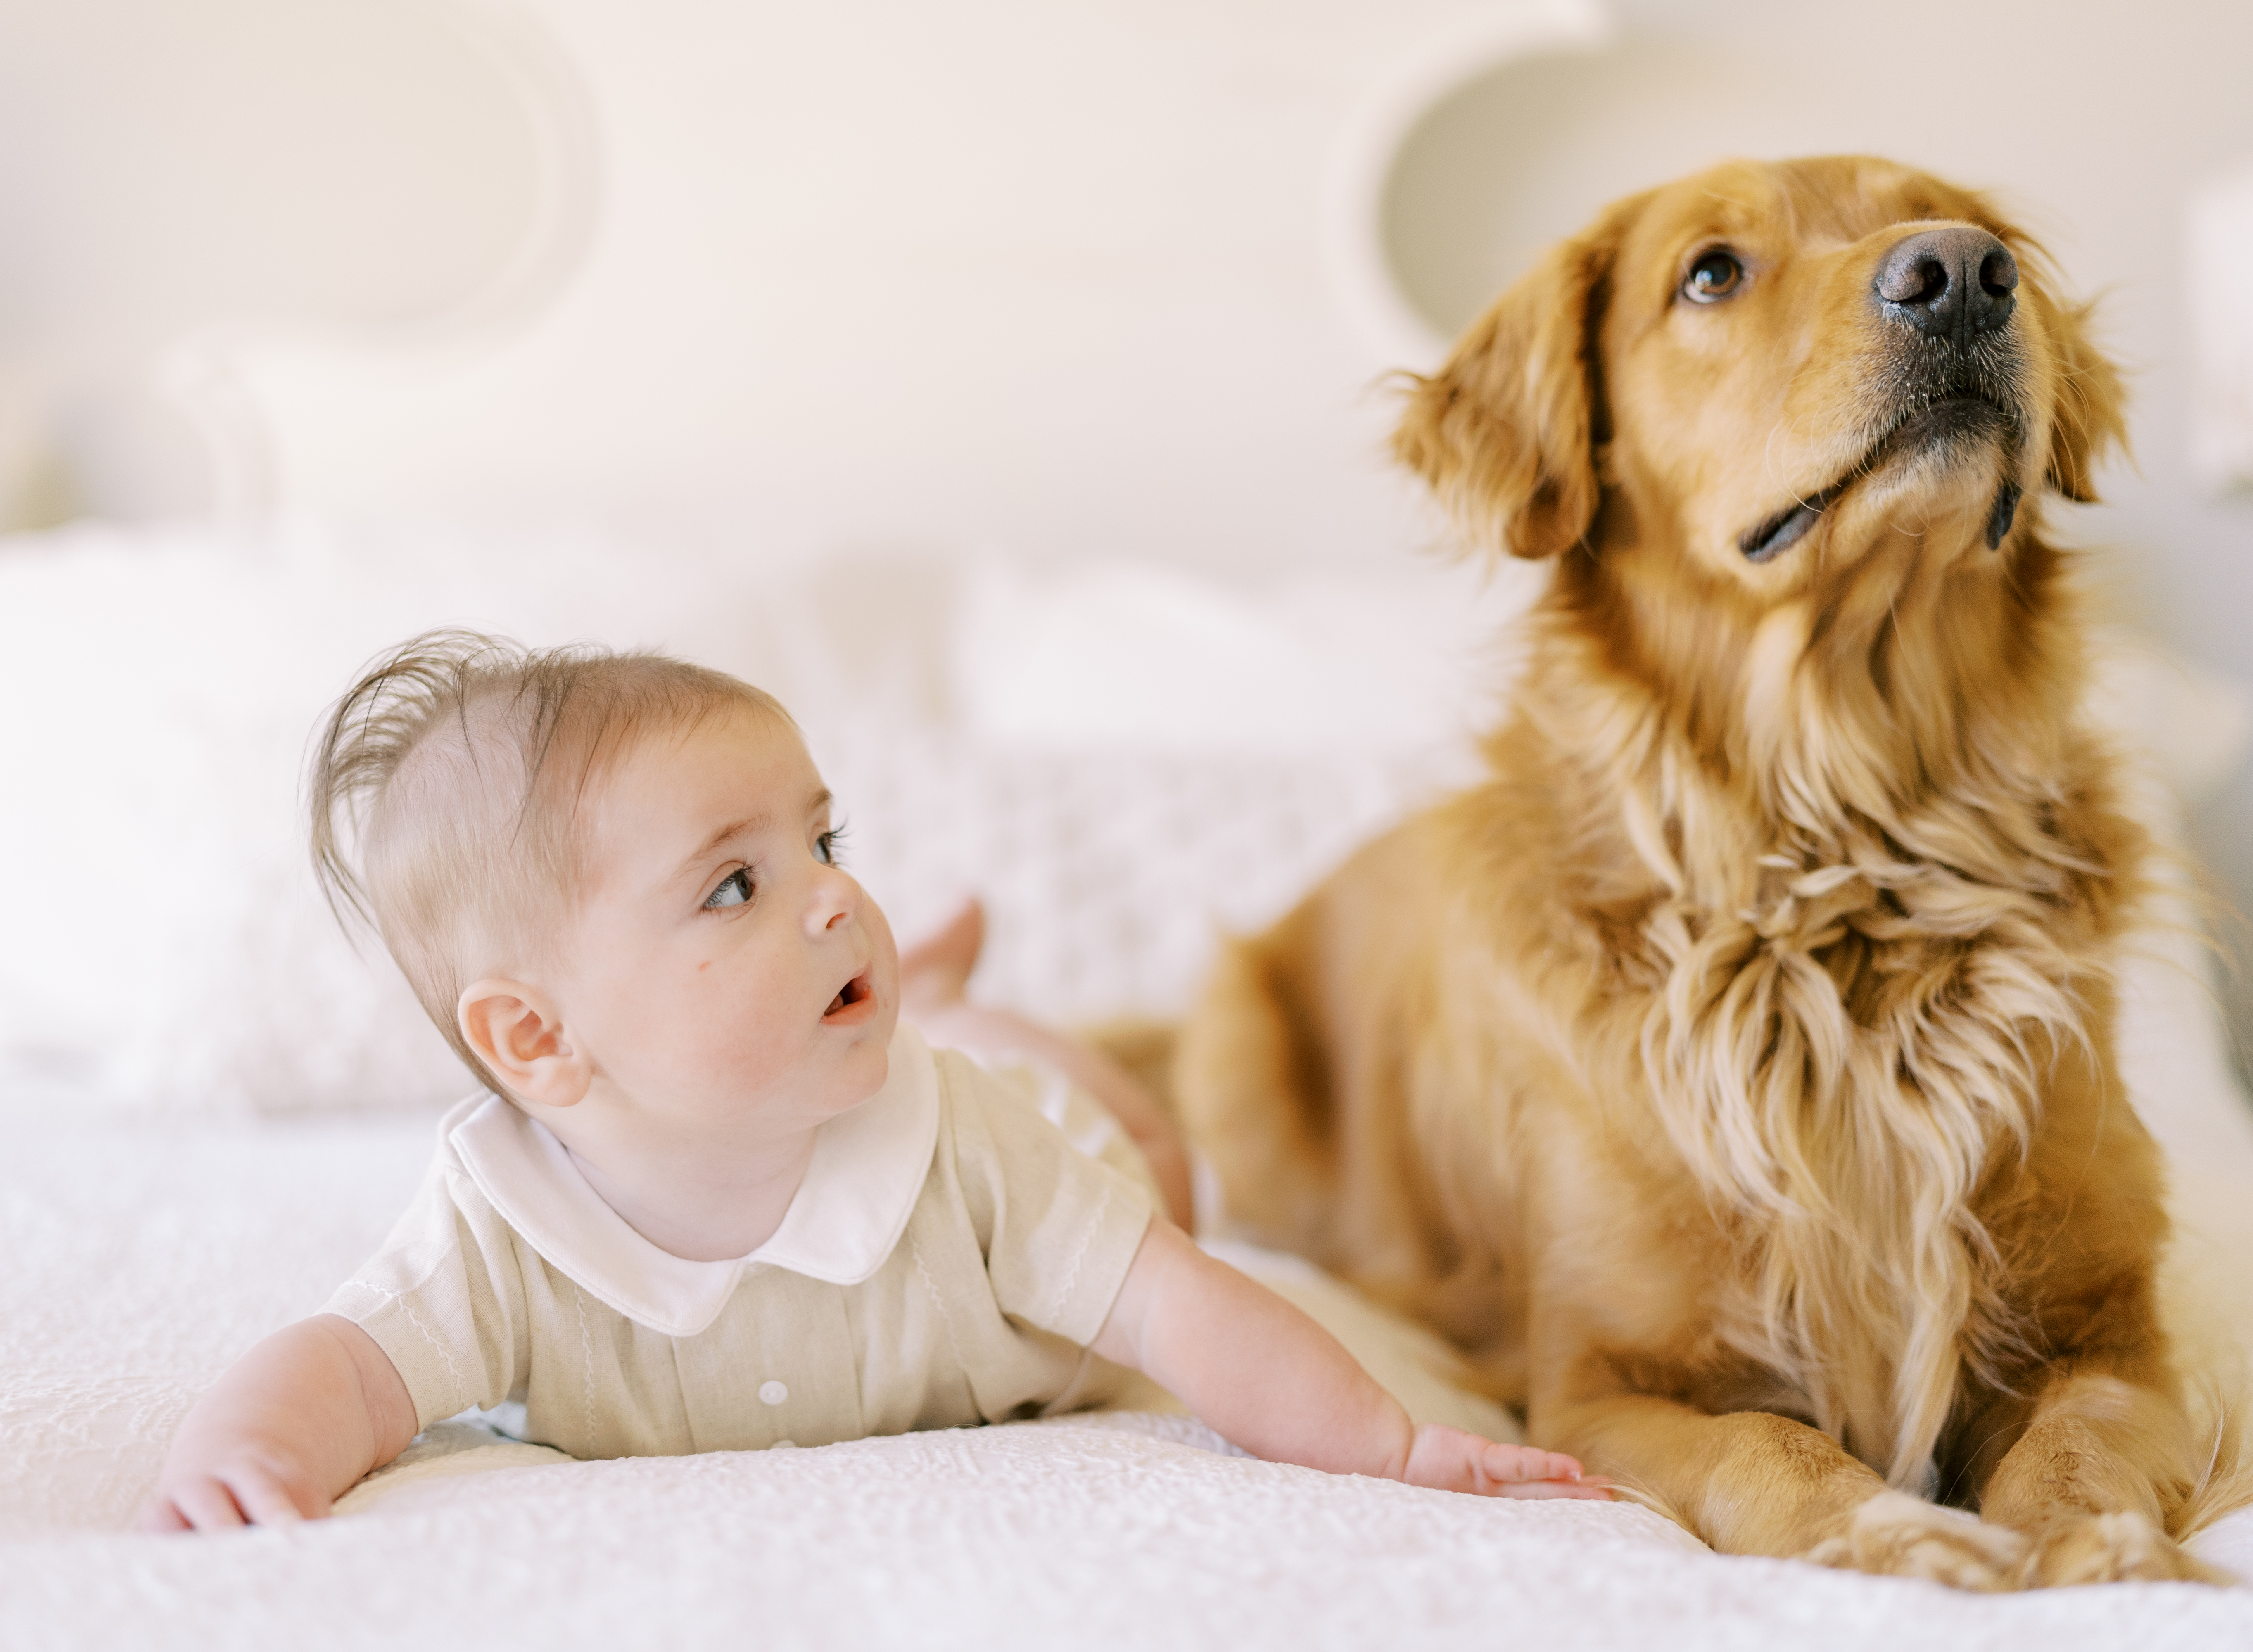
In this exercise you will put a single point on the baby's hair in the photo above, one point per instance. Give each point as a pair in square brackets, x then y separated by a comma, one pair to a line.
[444, 795]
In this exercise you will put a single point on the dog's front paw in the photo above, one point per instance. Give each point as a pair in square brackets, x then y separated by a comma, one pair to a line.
[1897, 1535]
[2115, 1548]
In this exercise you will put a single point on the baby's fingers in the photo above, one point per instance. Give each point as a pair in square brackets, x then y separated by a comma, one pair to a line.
[1589, 1490]
[264, 1498]
[1527, 1471]
[159, 1514]
[249, 1495]
[1528, 1462]
[206, 1505]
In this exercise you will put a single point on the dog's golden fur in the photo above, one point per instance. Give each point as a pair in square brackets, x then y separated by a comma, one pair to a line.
[1730, 1073]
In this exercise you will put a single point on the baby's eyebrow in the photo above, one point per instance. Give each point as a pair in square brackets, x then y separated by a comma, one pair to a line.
[749, 824]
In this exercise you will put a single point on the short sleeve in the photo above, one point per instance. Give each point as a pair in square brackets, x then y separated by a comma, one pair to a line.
[444, 1299]
[1063, 1227]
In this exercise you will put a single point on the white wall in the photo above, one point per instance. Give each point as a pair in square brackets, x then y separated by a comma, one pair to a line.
[1012, 275]
[167, 165]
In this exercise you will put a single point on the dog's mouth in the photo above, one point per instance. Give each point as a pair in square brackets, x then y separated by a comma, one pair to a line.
[856, 995]
[1959, 417]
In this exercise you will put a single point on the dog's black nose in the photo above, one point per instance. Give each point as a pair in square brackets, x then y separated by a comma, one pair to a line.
[1948, 283]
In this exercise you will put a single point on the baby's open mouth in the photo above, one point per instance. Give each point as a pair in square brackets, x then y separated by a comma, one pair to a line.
[856, 990]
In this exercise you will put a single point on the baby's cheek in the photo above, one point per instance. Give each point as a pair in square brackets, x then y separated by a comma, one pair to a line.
[762, 1029]
[733, 1037]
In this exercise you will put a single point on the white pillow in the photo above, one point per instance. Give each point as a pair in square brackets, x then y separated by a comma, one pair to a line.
[1135, 657]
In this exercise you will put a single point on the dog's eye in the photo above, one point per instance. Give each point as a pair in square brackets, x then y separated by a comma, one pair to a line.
[1713, 277]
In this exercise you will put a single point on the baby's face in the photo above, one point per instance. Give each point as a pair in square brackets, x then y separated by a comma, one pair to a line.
[723, 971]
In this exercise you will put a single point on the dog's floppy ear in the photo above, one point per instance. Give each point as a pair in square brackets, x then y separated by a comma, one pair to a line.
[2089, 421]
[1506, 432]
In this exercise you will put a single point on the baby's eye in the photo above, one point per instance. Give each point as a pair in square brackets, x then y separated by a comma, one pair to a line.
[736, 889]
[829, 847]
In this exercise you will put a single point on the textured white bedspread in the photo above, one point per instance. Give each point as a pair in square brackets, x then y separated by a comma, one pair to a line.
[144, 1256]
[1090, 1533]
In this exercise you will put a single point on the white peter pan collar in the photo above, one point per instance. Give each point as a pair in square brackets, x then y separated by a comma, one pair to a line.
[866, 1171]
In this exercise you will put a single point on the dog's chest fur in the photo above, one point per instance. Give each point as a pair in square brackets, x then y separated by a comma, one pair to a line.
[1840, 1021]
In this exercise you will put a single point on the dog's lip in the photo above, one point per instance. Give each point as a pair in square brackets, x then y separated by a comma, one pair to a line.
[1777, 535]
[1790, 526]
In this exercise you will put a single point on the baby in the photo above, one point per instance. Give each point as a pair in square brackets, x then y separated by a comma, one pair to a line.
[719, 1197]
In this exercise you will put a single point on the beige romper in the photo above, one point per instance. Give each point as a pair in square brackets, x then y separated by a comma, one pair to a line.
[945, 1261]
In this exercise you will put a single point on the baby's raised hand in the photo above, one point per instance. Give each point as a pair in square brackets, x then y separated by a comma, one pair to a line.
[1449, 1460]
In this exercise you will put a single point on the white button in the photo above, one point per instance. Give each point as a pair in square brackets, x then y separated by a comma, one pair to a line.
[786, 1445]
[773, 1393]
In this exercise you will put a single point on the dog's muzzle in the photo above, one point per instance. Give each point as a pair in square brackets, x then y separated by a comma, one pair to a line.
[1952, 370]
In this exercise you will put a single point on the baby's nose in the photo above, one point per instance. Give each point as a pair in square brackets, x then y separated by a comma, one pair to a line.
[835, 897]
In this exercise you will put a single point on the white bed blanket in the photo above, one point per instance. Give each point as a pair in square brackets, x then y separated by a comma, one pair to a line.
[1092, 1533]
[144, 1255]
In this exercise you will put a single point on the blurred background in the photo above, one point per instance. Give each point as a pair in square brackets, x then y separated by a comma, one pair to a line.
[1041, 312]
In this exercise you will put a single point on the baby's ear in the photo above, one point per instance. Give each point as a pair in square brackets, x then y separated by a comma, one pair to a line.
[517, 1033]
[1505, 433]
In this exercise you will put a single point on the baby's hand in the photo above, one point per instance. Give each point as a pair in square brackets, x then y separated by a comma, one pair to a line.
[245, 1486]
[1449, 1460]
[292, 1424]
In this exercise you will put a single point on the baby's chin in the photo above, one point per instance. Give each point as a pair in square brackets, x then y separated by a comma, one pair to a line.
[868, 1064]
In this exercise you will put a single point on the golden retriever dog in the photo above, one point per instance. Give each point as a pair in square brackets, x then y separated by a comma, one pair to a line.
[1730, 1073]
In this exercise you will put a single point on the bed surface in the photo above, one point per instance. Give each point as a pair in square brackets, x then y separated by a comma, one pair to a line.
[145, 1256]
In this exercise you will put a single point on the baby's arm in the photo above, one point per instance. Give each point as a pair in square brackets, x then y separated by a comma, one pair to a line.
[1265, 1375]
[292, 1424]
